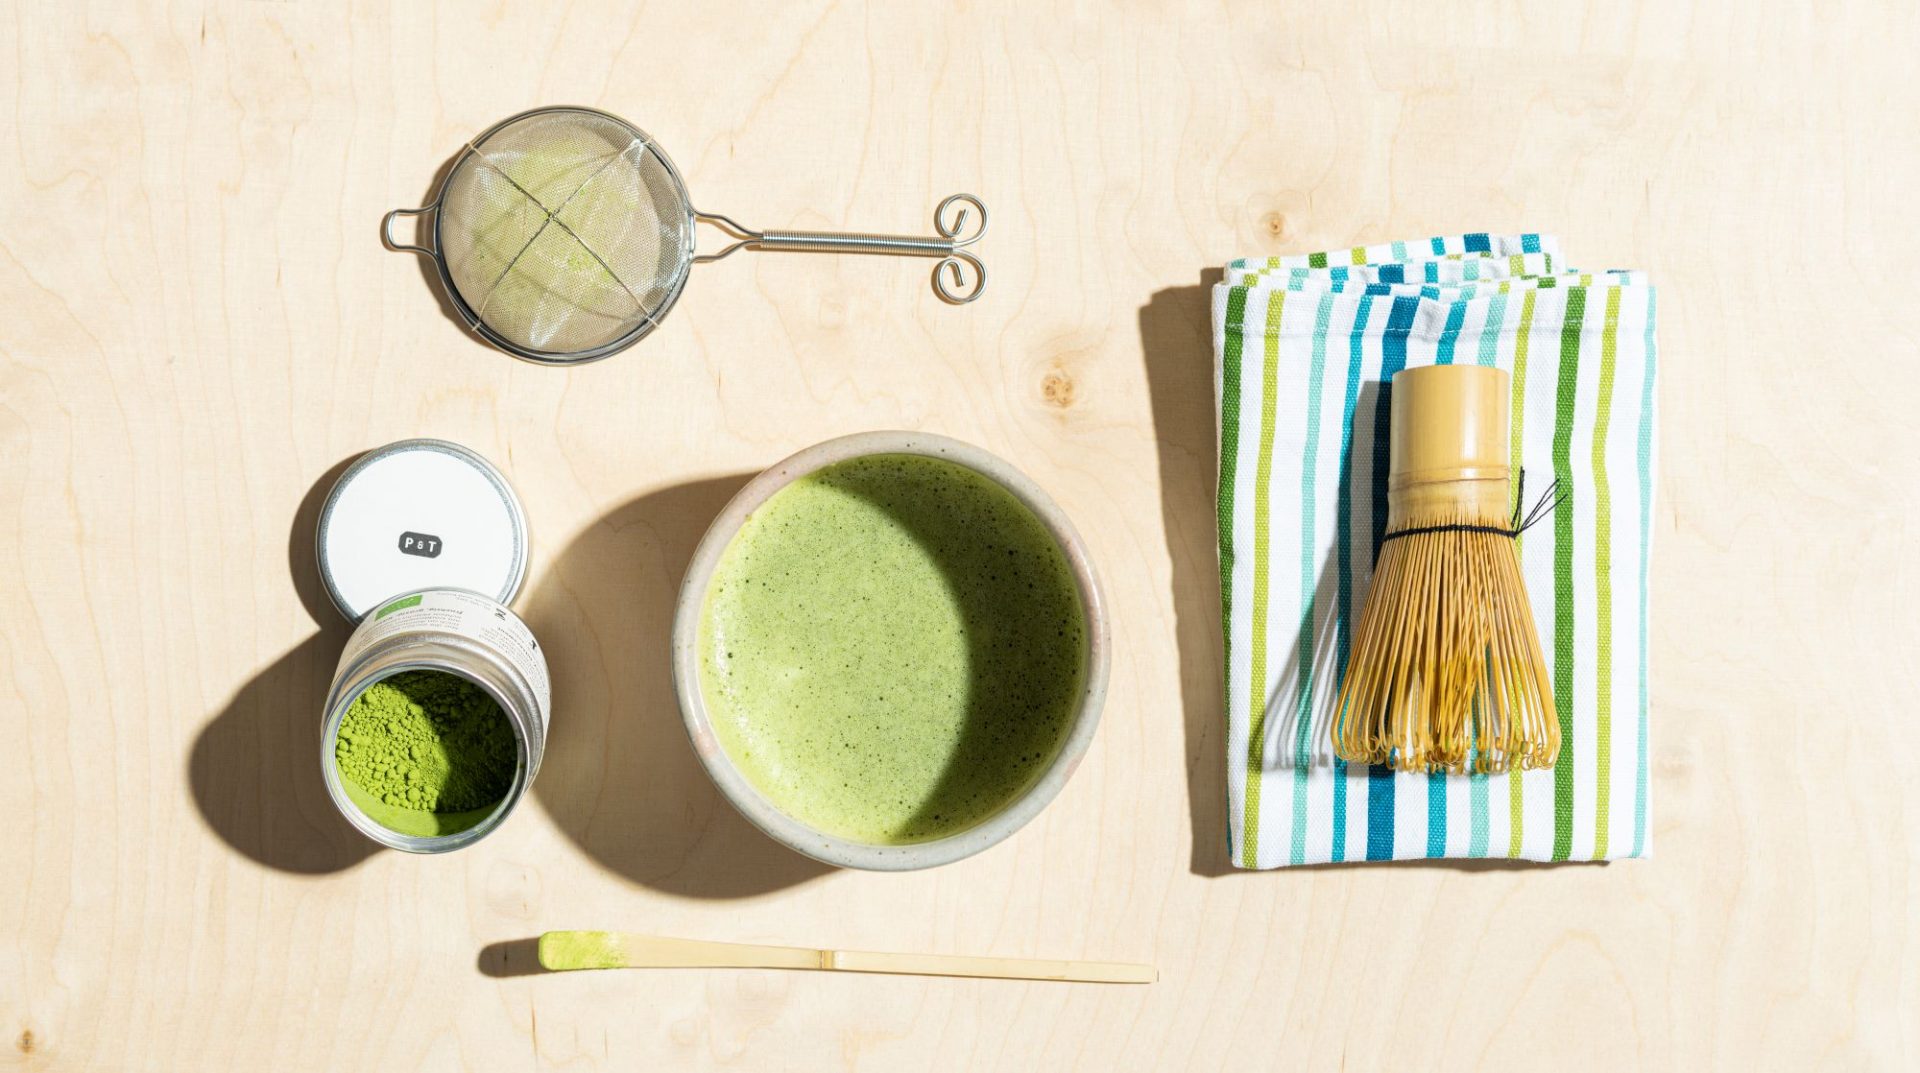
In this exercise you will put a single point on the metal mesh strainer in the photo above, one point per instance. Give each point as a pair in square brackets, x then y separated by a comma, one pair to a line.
[563, 235]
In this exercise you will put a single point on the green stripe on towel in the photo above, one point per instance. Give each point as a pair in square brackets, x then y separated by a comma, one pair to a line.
[1232, 344]
[1563, 541]
[1262, 509]
[1517, 786]
[1603, 582]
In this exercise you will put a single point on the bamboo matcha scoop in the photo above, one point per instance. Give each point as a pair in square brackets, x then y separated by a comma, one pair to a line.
[562, 950]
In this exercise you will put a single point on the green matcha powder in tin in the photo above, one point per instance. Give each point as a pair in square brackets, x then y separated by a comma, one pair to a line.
[427, 741]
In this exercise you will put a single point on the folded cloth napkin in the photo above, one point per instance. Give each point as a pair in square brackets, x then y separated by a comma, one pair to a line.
[1444, 248]
[1305, 348]
[1450, 269]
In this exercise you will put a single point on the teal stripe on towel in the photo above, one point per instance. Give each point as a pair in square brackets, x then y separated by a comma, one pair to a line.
[1479, 788]
[1343, 551]
[1393, 358]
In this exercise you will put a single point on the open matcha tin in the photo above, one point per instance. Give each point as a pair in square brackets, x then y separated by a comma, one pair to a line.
[891, 651]
[422, 544]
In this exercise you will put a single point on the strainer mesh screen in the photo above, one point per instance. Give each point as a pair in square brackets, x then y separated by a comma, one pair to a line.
[564, 231]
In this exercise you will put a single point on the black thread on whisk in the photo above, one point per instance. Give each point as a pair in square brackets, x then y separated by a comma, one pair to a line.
[1548, 502]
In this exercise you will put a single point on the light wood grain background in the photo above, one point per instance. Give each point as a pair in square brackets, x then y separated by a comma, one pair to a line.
[198, 325]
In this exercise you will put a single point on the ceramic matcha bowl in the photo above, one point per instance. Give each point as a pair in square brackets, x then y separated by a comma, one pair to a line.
[890, 650]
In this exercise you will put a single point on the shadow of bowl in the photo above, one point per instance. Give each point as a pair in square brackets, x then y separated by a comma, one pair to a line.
[619, 777]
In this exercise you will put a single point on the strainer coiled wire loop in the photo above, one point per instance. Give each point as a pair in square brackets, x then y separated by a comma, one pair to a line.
[564, 235]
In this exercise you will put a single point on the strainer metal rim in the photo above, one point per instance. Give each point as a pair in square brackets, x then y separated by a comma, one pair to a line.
[648, 322]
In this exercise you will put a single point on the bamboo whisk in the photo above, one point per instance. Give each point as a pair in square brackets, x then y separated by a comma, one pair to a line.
[1446, 671]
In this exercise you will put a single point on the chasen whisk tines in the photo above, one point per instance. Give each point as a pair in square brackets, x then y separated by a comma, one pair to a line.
[1446, 672]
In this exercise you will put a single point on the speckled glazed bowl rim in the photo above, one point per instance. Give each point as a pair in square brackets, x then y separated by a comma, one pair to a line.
[821, 845]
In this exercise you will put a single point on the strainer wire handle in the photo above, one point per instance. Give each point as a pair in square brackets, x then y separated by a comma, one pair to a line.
[950, 247]
[386, 231]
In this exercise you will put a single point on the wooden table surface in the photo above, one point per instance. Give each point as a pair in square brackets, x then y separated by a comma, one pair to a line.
[198, 327]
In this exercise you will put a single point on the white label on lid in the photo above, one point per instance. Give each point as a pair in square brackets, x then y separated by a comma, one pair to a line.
[418, 518]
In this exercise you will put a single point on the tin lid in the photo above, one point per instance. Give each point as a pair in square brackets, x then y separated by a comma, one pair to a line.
[420, 514]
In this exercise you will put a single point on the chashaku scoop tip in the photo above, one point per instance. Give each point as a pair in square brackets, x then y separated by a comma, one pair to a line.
[561, 951]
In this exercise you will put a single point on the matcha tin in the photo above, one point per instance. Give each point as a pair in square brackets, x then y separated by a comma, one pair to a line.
[481, 644]
[437, 716]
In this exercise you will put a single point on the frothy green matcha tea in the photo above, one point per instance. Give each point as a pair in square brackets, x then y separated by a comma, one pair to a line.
[892, 648]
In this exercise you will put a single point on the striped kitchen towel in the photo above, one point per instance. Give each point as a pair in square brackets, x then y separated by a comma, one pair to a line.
[1448, 270]
[1304, 351]
[1449, 247]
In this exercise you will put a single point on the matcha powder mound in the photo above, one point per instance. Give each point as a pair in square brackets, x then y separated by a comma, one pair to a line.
[428, 741]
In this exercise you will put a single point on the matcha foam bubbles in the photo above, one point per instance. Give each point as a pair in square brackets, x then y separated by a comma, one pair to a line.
[426, 752]
[892, 649]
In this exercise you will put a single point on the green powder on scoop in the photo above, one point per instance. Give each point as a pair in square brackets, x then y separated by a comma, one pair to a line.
[426, 752]
[560, 950]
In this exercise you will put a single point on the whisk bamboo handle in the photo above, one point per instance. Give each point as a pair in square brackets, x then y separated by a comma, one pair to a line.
[564, 950]
[1445, 671]
[1447, 453]
[1449, 422]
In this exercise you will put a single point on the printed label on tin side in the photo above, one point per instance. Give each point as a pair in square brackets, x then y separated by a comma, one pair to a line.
[397, 605]
[464, 614]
